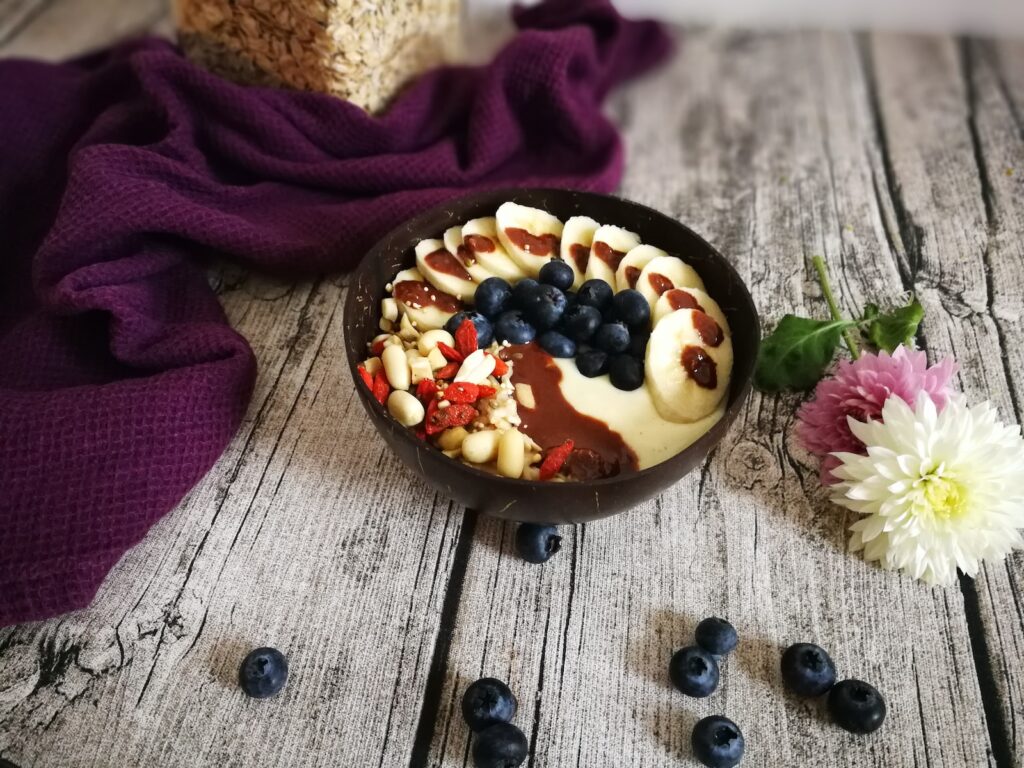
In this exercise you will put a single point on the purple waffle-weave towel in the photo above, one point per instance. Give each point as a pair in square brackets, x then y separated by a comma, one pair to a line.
[120, 380]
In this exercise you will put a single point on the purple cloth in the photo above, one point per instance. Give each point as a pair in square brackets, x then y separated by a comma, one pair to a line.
[120, 379]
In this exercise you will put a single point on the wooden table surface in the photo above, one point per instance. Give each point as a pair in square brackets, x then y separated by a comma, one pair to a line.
[900, 159]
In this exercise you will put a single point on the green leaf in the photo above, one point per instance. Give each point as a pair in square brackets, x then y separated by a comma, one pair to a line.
[887, 330]
[796, 354]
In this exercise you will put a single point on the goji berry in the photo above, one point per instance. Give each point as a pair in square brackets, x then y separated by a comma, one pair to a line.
[426, 390]
[377, 348]
[500, 366]
[455, 415]
[381, 388]
[366, 376]
[554, 460]
[466, 338]
[483, 391]
[462, 392]
[450, 354]
[448, 372]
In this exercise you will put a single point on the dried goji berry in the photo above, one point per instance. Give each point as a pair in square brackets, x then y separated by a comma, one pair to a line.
[450, 354]
[426, 390]
[377, 348]
[484, 391]
[500, 366]
[448, 372]
[432, 411]
[554, 460]
[366, 376]
[462, 392]
[455, 415]
[420, 432]
[465, 338]
[381, 388]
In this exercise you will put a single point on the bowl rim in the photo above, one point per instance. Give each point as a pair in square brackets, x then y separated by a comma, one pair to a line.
[411, 224]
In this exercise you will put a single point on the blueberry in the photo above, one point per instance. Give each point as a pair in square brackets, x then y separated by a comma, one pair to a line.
[626, 373]
[612, 337]
[694, 671]
[513, 328]
[591, 362]
[500, 746]
[537, 543]
[484, 330]
[557, 345]
[571, 299]
[581, 321]
[638, 345]
[717, 742]
[716, 636]
[632, 308]
[263, 673]
[807, 669]
[492, 296]
[486, 702]
[525, 292]
[595, 293]
[856, 706]
[558, 274]
[547, 307]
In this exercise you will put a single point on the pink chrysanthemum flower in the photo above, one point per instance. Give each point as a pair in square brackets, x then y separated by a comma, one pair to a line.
[860, 389]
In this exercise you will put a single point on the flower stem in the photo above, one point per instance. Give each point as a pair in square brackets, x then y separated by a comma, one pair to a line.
[833, 308]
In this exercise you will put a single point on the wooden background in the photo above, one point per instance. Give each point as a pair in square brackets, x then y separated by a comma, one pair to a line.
[899, 159]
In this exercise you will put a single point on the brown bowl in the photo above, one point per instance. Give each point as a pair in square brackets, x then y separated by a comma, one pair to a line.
[525, 500]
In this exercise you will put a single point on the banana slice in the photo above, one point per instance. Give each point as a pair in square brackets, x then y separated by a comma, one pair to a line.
[480, 238]
[663, 274]
[688, 298]
[577, 237]
[632, 263]
[610, 245]
[455, 243]
[443, 271]
[408, 274]
[427, 307]
[689, 362]
[531, 236]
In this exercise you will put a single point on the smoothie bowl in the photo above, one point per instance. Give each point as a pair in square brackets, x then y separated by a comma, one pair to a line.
[549, 355]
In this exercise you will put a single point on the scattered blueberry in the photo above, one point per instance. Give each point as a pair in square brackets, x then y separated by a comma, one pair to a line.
[638, 345]
[632, 308]
[557, 345]
[626, 372]
[591, 362]
[537, 543]
[484, 330]
[513, 328]
[263, 673]
[525, 292]
[856, 706]
[501, 745]
[571, 299]
[716, 636]
[486, 702]
[547, 307]
[492, 296]
[717, 742]
[595, 293]
[581, 321]
[807, 669]
[558, 274]
[612, 337]
[694, 671]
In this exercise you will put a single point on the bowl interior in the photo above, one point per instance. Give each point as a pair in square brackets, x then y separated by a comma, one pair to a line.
[395, 252]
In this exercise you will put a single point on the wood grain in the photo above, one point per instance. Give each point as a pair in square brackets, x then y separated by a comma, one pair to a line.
[767, 146]
[899, 159]
[955, 148]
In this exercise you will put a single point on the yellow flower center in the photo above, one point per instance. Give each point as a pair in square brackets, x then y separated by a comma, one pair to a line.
[945, 497]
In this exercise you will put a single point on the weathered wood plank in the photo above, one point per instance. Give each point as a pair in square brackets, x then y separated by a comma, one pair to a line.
[56, 29]
[307, 535]
[766, 144]
[955, 145]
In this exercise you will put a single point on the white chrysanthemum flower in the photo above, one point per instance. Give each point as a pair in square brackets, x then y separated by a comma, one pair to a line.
[939, 491]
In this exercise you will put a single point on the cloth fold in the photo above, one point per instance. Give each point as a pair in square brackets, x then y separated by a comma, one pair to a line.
[120, 380]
